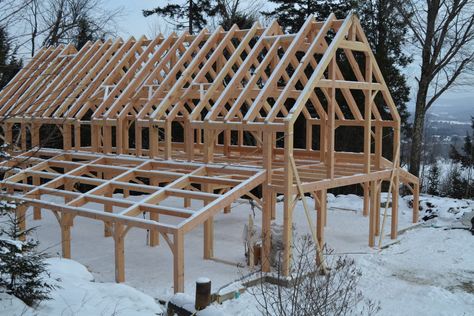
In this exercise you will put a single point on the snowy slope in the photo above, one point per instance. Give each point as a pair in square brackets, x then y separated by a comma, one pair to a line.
[430, 272]
[78, 294]
[427, 272]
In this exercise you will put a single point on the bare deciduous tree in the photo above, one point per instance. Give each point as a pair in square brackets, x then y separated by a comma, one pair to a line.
[311, 293]
[53, 22]
[443, 32]
[10, 9]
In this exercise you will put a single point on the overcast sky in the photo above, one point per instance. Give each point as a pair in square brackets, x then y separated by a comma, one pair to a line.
[133, 23]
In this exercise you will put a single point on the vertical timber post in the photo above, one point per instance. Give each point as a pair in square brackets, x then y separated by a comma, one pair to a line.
[377, 208]
[208, 230]
[23, 136]
[168, 140]
[119, 241]
[108, 225]
[77, 136]
[153, 131]
[366, 186]
[36, 209]
[331, 124]
[95, 136]
[416, 202]
[119, 140]
[309, 136]
[138, 139]
[126, 137]
[378, 146]
[21, 218]
[35, 137]
[321, 219]
[267, 200]
[8, 130]
[288, 200]
[107, 138]
[154, 234]
[395, 190]
[373, 212]
[367, 139]
[66, 223]
[209, 136]
[67, 145]
[178, 261]
[189, 140]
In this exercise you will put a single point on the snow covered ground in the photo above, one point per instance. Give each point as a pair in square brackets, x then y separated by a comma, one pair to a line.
[430, 271]
[78, 294]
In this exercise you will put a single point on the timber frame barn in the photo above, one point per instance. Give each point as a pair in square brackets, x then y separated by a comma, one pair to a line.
[207, 117]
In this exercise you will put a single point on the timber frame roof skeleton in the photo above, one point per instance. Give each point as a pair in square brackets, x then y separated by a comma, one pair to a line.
[215, 98]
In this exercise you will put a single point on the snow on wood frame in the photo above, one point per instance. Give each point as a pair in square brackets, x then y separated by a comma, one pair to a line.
[223, 97]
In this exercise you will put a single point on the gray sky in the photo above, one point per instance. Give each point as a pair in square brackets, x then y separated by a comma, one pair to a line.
[133, 23]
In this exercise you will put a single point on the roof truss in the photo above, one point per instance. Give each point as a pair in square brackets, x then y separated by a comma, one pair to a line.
[239, 76]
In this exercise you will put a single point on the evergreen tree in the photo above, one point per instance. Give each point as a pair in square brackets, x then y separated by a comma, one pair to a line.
[386, 31]
[189, 14]
[9, 64]
[457, 185]
[454, 184]
[466, 158]
[291, 15]
[433, 179]
[22, 267]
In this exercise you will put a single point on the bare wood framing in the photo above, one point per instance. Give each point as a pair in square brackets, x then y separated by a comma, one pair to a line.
[226, 102]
